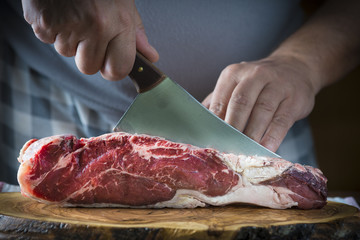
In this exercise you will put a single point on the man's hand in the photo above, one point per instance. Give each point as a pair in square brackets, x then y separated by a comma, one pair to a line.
[263, 99]
[103, 35]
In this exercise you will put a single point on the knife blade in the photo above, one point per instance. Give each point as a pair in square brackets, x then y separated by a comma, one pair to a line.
[163, 108]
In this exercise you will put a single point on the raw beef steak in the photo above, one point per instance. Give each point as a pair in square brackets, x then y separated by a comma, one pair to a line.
[119, 169]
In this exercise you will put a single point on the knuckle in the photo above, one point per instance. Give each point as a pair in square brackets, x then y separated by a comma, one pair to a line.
[44, 37]
[240, 100]
[259, 72]
[99, 23]
[253, 133]
[43, 31]
[231, 68]
[126, 22]
[44, 23]
[86, 67]
[283, 120]
[272, 141]
[258, 68]
[63, 50]
[28, 17]
[116, 73]
[126, 18]
[37, 29]
[266, 106]
[89, 71]
[230, 72]
[217, 108]
[84, 70]
[272, 138]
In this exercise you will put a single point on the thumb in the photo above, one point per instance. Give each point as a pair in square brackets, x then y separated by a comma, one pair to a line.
[142, 43]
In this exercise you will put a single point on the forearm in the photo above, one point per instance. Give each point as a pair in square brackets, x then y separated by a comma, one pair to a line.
[328, 43]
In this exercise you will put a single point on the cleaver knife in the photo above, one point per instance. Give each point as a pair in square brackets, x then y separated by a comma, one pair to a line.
[163, 108]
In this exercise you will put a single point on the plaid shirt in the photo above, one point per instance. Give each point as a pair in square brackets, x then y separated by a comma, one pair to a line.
[30, 107]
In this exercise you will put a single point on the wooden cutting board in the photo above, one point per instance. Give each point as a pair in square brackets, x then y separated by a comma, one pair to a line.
[21, 217]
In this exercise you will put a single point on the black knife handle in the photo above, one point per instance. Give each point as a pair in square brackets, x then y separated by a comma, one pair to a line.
[144, 74]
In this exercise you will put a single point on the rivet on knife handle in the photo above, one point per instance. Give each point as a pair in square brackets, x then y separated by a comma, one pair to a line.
[144, 74]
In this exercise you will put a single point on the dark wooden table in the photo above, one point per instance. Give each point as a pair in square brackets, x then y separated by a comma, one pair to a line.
[24, 218]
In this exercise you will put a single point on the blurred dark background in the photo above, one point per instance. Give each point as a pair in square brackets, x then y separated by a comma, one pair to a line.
[335, 121]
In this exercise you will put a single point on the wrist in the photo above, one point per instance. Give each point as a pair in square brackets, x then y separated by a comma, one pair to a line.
[303, 65]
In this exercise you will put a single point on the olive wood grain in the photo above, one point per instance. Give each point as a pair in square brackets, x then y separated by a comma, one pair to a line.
[20, 217]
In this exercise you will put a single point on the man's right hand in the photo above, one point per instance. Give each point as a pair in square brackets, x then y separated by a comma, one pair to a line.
[103, 35]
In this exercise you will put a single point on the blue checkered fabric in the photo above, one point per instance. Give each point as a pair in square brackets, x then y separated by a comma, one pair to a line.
[31, 107]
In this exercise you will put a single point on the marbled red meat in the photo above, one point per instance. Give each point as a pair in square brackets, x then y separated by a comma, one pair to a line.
[120, 169]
